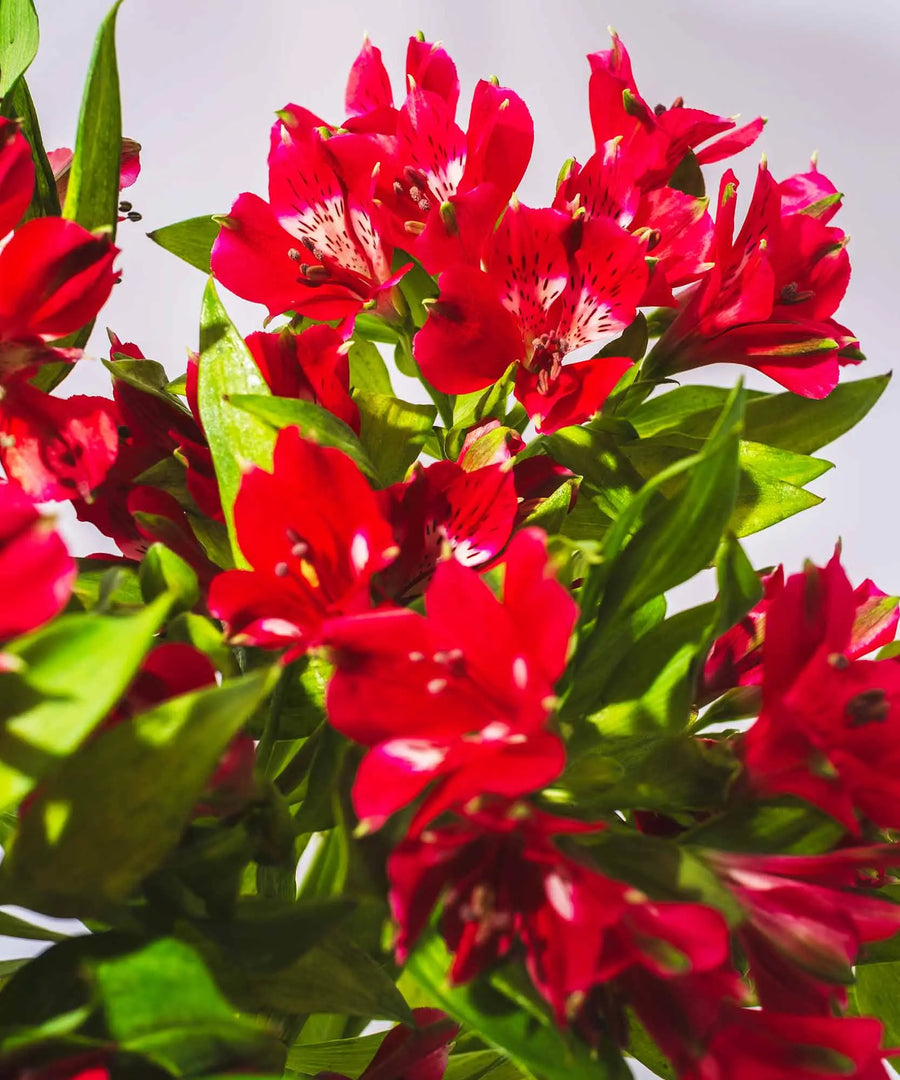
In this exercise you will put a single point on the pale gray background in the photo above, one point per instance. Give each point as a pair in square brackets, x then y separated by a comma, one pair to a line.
[201, 81]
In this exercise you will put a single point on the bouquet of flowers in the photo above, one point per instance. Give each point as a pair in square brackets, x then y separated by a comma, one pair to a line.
[380, 714]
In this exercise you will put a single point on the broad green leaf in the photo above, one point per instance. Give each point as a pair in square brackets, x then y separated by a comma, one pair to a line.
[63, 691]
[415, 286]
[368, 371]
[674, 540]
[595, 452]
[334, 977]
[92, 197]
[165, 573]
[783, 826]
[348, 1057]
[102, 586]
[19, 106]
[236, 439]
[877, 993]
[551, 513]
[18, 41]
[392, 432]
[652, 687]
[154, 767]
[267, 935]
[540, 1049]
[190, 240]
[161, 1002]
[314, 422]
[786, 421]
[480, 1064]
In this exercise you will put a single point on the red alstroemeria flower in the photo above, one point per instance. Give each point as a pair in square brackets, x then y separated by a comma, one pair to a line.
[768, 302]
[505, 883]
[753, 1045]
[36, 570]
[313, 533]
[459, 697]
[312, 366]
[368, 98]
[314, 247]
[54, 275]
[550, 285]
[736, 657]
[829, 729]
[534, 479]
[806, 921]
[677, 227]
[442, 188]
[659, 137]
[56, 448]
[407, 1053]
[445, 511]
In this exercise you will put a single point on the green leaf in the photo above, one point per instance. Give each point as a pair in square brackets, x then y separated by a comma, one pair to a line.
[103, 586]
[92, 197]
[18, 41]
[784, 826]
[348, 1057]
[63, 692]
[14, 927]
[314, 422]
[236, 439]
[162, 1003]
[154, 767]
[739, 584]
[163, 572]
[334, 977]
[551, 512]
[368, 371]
[392, 432]
[267, 935]
[540, 1049]
[877, 993]
[674, 540]
[652, 687]
[190, 240]
[18, 105]
[786, 421]
[643, 1049]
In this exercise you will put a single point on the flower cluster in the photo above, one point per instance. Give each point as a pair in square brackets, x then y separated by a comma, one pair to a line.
[436, 634]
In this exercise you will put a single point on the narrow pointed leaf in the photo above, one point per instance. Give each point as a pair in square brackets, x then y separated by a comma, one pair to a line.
[236, 439]
[18, 41]
[92, 197]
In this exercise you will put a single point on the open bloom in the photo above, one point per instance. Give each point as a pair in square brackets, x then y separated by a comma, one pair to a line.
[505, 885]
[314, 247]
[829, 729]
[313, 534]
[456, 700]
[769, 299]
[736, 657]
[550, 285]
